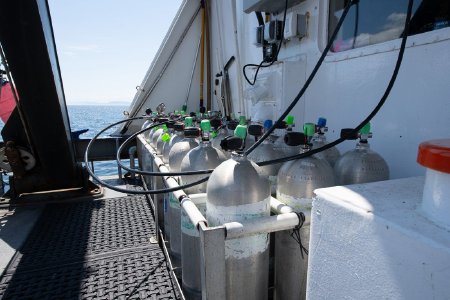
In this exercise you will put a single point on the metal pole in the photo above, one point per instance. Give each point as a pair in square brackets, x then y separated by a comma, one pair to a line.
[262, 225]
[131, 153]
[192, 72]
[212, 254]
[119, 169]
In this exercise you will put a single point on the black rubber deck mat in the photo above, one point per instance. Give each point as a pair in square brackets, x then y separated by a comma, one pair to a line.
[96, 249]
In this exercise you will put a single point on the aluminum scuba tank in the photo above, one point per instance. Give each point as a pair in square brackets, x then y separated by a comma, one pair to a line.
[222, 133]
[178, 135]
[164, 137]
[238, 191]
[279, 145]
[297, 181]
[179, 150]
[265, 152]
[219, 132]
[148, 121]
[201, 157]
[148, 134]
[331, 155]
[162, 129]
[361, 164]
[176, 155]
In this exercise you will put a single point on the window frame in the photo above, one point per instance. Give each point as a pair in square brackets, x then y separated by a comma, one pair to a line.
[425, 38]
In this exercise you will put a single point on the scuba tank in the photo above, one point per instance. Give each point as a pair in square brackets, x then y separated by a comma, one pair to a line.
[221, 134]
[179, 150]
[297, 181]
[148, 120]
[201, 157]
[279, 145]
[361, 164]
[161, 130]
[176, 155]
[237, 190]
[148, 134]
[164, 137]
[218, 134]
[331, 155]
[265, 152]
[178, 135]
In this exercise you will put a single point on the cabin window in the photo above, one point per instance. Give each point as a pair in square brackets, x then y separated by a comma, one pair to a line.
[370, 22]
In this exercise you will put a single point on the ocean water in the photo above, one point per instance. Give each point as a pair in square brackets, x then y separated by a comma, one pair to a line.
[95, 118]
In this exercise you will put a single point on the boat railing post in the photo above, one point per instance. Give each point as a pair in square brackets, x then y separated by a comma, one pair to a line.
[119, 169]
[212, 255]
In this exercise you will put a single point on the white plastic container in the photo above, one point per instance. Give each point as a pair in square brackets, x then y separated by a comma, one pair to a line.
[435, 156]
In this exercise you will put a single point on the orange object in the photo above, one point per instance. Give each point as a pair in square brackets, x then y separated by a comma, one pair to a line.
[7, 102]
[435, 154]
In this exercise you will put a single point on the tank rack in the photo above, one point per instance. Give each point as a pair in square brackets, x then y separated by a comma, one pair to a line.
[212, 239]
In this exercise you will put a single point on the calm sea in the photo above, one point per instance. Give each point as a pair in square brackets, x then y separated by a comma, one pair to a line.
[95, 118]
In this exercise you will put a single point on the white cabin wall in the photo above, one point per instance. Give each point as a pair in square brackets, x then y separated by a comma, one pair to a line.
[223, 47]
[350, 84]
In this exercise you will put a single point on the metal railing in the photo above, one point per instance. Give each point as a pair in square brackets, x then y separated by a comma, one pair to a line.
[213, 239]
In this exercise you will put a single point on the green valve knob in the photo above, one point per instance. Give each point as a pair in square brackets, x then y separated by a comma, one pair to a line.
[205, 125]
[183, 112]
[242, 120]
[290, 120]
[164, 127]
[188, 122]
[213, 134]
[154, 113]
[309, 129]
[241, 131]
[165, 137]
[365, 129]
[177, 112]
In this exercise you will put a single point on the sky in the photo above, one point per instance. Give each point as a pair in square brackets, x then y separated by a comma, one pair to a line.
[105, 47]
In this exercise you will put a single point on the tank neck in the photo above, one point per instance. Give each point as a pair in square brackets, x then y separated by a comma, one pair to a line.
[305, 148]
[240, 157]
[320, 137]
[361, 145]
[205, 143]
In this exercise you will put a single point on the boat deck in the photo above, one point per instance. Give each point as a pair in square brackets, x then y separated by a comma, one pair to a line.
[92, 249]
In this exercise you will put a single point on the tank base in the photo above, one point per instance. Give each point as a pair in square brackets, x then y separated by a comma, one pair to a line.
[191, 294]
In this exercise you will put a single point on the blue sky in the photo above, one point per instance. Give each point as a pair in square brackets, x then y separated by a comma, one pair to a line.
[106, 46]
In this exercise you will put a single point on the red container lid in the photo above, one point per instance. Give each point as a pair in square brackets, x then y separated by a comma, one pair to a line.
[435, 155]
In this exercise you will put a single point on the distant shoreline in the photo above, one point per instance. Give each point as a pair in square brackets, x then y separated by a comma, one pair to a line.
[100, 104]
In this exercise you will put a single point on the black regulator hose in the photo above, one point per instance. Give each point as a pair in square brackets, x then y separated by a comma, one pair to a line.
[151, 192]
[374, 111]
[307, 82]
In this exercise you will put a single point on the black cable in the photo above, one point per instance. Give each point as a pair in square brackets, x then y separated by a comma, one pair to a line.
[152, 192]
[307, 83]
[260, 18]
[274, 58]
[355, 32]
[138, 171]
[374, 111]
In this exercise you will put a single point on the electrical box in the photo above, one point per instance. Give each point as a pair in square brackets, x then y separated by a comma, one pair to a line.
[269, 6]
[272, 31]
[296, 26]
